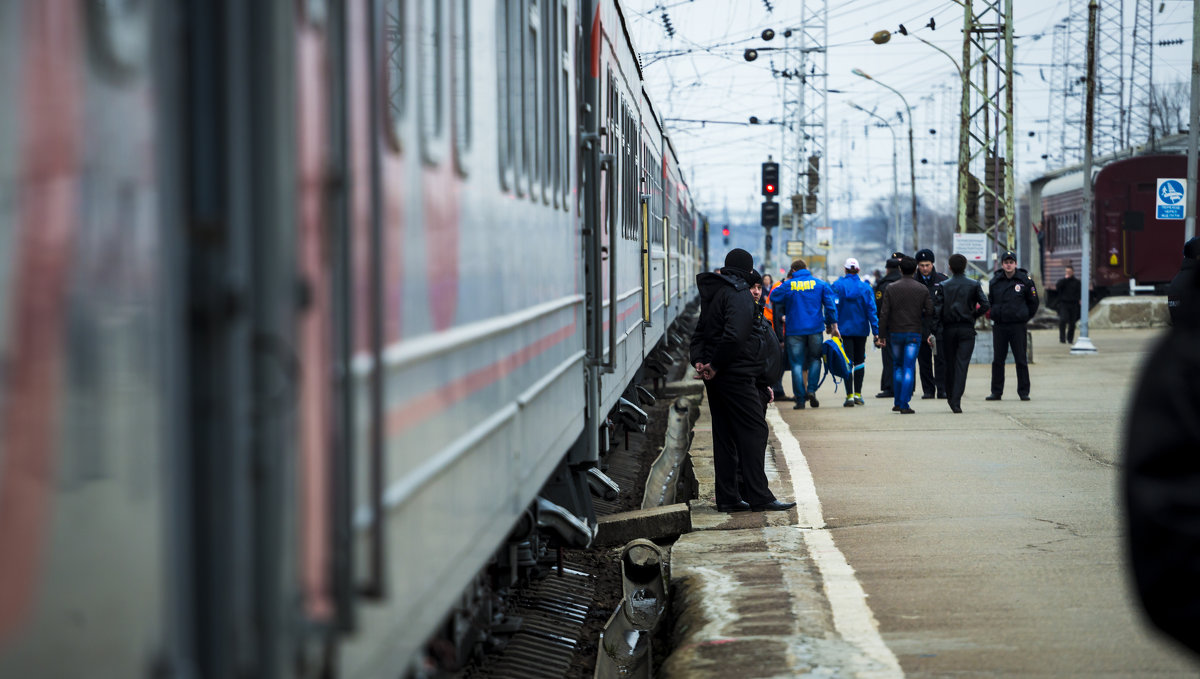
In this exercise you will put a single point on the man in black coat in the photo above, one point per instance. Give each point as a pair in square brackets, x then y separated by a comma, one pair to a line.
[893, 275]
[957, 303]
[1181, 293]
[1069, 293]
[727, 353]
[931, 360]
[1014, 301]
[1161, 478]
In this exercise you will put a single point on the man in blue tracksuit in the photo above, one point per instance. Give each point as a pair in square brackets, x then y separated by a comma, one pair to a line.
[856, 318]
[809, 305]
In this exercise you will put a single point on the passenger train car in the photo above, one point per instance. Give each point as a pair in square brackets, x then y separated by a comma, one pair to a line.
[316, 322]
[1129, 243]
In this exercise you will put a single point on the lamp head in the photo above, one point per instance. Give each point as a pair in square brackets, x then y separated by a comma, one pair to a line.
[860, 73]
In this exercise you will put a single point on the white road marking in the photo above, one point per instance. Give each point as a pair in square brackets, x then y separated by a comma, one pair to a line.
[852, 618]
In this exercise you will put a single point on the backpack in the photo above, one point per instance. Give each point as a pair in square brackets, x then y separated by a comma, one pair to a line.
[836, 362]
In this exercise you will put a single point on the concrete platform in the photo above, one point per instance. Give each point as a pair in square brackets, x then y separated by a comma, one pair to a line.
[1149, 311]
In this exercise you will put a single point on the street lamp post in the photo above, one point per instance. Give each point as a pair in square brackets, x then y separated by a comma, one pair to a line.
[895, 173]
[912, 163]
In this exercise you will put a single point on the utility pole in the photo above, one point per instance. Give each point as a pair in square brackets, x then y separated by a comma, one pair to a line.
[1141, 76]
[1084, 346]
[1189, 226]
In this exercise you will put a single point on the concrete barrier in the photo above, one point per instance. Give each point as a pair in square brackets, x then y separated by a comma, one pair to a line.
[1149, 311]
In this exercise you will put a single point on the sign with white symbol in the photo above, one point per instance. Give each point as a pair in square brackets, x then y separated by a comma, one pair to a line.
[795, 248]
[973, 246]
[824, 237]
[1169, 200]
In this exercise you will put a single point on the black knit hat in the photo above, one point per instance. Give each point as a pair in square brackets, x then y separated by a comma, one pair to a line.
[892, 263]
[755, 278]
[739, 259]
[925, 255]
[1191, 249]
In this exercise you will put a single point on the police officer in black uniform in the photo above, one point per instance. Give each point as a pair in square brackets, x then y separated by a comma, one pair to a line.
[1014, 301]
[931, 364]
[957, 303]
[893, 275]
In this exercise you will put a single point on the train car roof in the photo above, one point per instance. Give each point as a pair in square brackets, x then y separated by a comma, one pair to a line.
[1170, 145]
[1063, 184]
[637, 56]
[649, 103]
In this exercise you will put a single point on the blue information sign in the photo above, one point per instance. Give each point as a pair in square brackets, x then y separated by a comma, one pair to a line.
[1169, 199]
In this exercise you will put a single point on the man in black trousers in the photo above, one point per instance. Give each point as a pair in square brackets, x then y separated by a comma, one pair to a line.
[726, 353]
[892, 275]
[1014, 301]
[1069, 293]
[957, 303]
[931, 360]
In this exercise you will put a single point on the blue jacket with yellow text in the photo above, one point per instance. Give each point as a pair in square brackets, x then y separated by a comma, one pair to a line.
[802, 299]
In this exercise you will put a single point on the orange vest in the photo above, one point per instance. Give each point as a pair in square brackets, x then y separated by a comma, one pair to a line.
[768, 311]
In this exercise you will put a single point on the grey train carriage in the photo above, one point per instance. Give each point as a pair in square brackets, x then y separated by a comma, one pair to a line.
[307, 306]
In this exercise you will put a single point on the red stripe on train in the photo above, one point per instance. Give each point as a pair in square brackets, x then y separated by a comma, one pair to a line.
[49, 186]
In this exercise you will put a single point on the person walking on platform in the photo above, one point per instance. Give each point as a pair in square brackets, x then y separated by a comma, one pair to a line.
[906, 311]
[809, 305]
[957, 303]
[1181, 293]
[726, 353]
[893, 274]
[1014, 301]
[776, 322]
[856, 319]
[1069, 294]
[931, 358]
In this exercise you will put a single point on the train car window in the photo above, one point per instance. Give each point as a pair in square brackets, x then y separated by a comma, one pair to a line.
[564, 94]
[393, 30]
[432, 78]
[463, 104]
[119, 36]
[550, 100]
[503, 85]
[532, 80]
[516, 96]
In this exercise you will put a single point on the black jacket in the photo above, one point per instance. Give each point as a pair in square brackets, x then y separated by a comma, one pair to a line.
[771, 358]
[1183, 296]
[725, 335]
[931, 280]
[881, 285]
[1013, 300]
[1068, 290]
[958, 300]
[1162, 485]
[907, 307]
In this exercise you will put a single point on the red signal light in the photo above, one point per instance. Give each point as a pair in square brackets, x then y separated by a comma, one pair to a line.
[771, 189]
[725, 231]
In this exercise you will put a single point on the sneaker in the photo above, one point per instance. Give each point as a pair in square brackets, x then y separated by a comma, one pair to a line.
[858, 400]
[992, 397]
[812, 398]
[849, 403]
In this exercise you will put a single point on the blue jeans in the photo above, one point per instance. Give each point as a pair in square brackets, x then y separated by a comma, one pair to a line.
[905, 347]
[804, 353]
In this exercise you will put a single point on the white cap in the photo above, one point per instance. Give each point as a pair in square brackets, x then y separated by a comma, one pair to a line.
[851, 263]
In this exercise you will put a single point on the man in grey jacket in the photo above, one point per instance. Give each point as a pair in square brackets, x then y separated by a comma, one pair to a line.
[957, 303]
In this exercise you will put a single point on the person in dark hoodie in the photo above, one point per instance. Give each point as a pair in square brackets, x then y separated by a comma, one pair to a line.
[893, 274]
[931, 359]
[904, 319]
[727, 354]
[1181, 292]
[1014, 301]
[1161, 473]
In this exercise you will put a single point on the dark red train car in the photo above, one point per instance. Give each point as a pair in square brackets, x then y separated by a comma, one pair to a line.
[1129, 242]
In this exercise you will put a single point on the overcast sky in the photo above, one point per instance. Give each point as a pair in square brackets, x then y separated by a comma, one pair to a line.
[713, 82]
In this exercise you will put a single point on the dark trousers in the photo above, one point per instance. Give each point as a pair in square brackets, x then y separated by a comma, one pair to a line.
[958, 341]
[1005, 336]
[740, 434]
[856, 350]
[1068, 315]
[885, 380]
[933, 368]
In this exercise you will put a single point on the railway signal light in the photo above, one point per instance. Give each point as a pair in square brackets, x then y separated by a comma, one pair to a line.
[770, 178]
[725, 233]
[770, 213]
